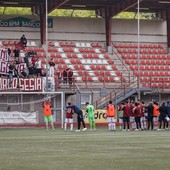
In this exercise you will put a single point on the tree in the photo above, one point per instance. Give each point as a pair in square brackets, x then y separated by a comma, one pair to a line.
[73, 13]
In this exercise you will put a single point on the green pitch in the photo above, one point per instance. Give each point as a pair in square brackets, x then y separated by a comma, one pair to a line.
[38, 149]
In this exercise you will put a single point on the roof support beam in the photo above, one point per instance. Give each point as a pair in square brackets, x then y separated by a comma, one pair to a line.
[165, 15]
[109, 12]
[118, 8]
[38, 10]
[168, 28]
[43, 28]
[54, 4]
[108, 28]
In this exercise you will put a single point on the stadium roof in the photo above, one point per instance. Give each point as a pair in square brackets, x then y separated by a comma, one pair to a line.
[117, 6]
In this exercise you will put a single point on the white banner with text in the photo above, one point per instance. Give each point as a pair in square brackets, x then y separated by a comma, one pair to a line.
[15, 117]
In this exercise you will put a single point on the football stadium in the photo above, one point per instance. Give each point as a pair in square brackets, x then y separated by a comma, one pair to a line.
[85, 93]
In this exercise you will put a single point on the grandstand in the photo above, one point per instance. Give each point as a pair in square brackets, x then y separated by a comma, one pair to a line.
[103, 53]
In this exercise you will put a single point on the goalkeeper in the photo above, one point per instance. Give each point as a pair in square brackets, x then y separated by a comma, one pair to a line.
[48, 114]
[90, 114]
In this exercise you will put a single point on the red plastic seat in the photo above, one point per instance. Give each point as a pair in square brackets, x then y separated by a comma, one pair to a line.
[56, 61]
[73, 61]
[5, 43]
[80, 73]
[82, 67]
[135, 73]
[60, 67]
[106, 79]
[93, 67]
[61, 61]
[84, 78]
[102, 50]
[166, 73]
[166, 85]
[91, 50]
[111, 79]
[67, 44]
[69, 55]
[102, 67]
[62, 44]
[114, 67]
[106, 56]
[74, 55]
[76, 67]
[10, 43]
[162, 68]
[52, 55]
[102, 73]
[85, 56]
[58, 55]
[78, 61]
[101, 79]
[89, 79]
[97, 73]
[95, 56]
[72, 44]
[51, 44]
[107, 73]
[110, 62]
[40, 55]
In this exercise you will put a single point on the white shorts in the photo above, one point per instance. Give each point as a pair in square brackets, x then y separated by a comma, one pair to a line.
[155, 119]
[68, 120]
[120, 120]
[142, 119]
[132, 119]
[110, 119]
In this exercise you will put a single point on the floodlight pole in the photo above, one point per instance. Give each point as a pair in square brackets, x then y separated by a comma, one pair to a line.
[138, 83]
[46, 42]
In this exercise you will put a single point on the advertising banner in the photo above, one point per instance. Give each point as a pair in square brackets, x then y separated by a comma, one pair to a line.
[4, 54]
[24, 84]
[14, 117]
[100, 116]
[23, 22]
[4, 67]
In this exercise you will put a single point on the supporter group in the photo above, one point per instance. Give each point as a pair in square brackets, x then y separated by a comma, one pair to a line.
[33, 65]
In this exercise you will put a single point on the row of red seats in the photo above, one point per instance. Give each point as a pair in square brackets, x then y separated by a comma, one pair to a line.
[135, 45]
[73, 55]
[100, 79]
[156, 85]
[66, 50]
[151, 67]
[142, 51]
[152, 73]
[143, 56]
[155, 79]
[148, 62]
[73, 44]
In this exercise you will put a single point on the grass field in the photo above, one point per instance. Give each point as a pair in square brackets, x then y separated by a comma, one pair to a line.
[38, 149]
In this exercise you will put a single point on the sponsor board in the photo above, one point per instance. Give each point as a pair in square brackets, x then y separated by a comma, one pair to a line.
[23, 22]
[15, 117]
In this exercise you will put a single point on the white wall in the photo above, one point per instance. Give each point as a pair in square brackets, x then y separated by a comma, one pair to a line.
[88, 29]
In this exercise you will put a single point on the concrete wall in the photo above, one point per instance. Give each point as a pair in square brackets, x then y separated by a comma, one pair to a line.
[91, 29]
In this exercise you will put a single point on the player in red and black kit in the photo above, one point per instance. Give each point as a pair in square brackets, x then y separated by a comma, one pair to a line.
[137, 114]
[142, 119]
[126, 112]
[69, 117]
[132, 116]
